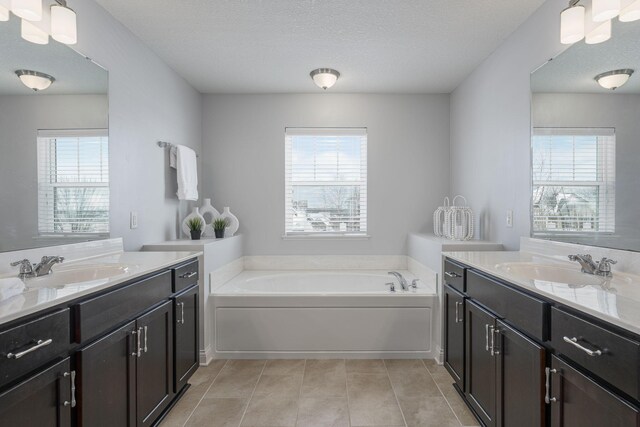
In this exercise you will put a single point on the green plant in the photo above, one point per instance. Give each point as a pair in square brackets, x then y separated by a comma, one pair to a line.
[195, 224]
[220, 223]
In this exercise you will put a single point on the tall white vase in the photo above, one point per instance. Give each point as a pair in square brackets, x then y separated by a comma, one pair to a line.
[205, 210]
[233, 222]
[194, 214]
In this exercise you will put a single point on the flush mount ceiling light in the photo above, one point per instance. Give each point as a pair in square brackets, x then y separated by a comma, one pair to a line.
[613, 79]
[325, 77]
[35, 80]
[595, 26]
[59, 20]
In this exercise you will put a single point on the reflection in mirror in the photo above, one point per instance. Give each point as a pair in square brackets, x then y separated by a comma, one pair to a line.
[54, 163]
[585, 144]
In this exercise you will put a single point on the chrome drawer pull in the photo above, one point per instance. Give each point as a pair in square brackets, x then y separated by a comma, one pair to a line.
[139, 352]
[452, 274]
[134, 332]
[145, 339]
[486, 336]
[188, 275]
[72, 374]
[457, 312]
[547, 386]
[492, 345]
[39, 344]
[494, 348]
[574, 342]
[182, 310]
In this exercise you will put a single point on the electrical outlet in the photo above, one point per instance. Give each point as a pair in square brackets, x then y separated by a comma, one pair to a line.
[133, 220]
[509, 218]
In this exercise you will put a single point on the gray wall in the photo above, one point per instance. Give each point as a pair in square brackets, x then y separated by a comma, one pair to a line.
[621, 112]
[408, 163]
[148, 101]
[20, 118]
[490, 127]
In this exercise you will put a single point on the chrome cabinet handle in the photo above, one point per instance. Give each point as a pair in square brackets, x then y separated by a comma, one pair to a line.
[547, 385]
[457, 312]
[574, 342]
[39, 345]
[71, 374]
[134, 332]
[452, 274]
[182, 312]
[139, 352]
[495, 337]
[188, 275]
[486, 336]
[145, 339]
[491, 329]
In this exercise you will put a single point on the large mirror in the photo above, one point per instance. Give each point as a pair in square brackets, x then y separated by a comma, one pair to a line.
[54, 155]
[585, 144]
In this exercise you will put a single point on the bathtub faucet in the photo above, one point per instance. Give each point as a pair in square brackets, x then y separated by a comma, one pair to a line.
[401, 279]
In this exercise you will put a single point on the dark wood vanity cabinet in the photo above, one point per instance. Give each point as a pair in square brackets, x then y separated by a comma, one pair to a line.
[454, 343]
[131, 362]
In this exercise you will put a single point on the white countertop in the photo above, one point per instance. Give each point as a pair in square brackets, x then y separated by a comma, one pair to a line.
[19, 298]
[618, 305]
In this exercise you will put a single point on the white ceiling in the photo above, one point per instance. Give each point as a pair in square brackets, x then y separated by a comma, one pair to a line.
[574, 70]
[74, 73]
[270, 46]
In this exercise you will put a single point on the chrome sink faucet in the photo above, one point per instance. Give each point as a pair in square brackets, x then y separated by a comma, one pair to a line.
[43, 268]
[597, 268]
[401, 279]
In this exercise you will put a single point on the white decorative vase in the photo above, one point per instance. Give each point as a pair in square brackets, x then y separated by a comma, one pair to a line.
[205, 210]
[194, 214]
[233, 222]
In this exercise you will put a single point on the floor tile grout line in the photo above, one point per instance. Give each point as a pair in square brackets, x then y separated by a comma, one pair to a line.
[346, 390]
[205, 393]
[246, 408]
[304, 368]
[445, 397]
[394, 392]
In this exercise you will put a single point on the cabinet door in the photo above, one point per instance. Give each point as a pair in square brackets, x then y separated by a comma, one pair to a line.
[186, 348]
[578, 401]
[43, 400]
[106, 380]
[520, 391]
[154, 386]
[480, 363]
[454, 334]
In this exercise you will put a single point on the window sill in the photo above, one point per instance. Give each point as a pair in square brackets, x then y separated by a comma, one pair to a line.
[327, 237]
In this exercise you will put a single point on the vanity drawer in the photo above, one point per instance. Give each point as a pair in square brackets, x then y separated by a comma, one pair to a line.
[527, 313]
[107, 311]
[614, 358]
[185, 276]
[454, 275]
[28, 346]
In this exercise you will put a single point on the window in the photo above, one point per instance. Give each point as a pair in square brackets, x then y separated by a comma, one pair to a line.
[73, 182]
[573, 180]
[326, 182]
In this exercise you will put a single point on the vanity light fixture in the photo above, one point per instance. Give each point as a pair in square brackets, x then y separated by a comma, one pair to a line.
[35, 80]
[4, 10]
[614, 79]
[601, 33]
[31, 10]
[33, 33]
[59, 20]
[325, 77]
[630, 10]
[604, 10]
[63, 23]
[572, 23]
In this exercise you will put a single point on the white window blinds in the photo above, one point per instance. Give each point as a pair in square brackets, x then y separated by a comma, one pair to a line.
[325, 182]
[73, 182]
[573, 180]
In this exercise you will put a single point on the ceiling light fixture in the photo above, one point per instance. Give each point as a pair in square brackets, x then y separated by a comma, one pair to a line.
[630, 11]
[30, 10]
[599, 34]
[63, 23]
[32, 33]
[4, 10]
[572, 24]
[604, 10]
[325, 77]
[35, 80]
[613, 79]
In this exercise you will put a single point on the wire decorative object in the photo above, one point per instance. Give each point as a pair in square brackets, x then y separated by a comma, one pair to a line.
[459, 222]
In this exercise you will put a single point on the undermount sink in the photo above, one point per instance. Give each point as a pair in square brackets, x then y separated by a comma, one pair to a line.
[550, 273]
[71, 274]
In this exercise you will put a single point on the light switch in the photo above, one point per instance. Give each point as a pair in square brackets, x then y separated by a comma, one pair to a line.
[133, 220]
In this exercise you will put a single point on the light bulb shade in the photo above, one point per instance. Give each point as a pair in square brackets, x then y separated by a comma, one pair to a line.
[4, 12]
[630, 11]
[572, 24]
[603, 10]
[325, 77]
[32, 33]
[35, 80]
[30, 10]
[614, 79]
[63, 25]
[599, 34]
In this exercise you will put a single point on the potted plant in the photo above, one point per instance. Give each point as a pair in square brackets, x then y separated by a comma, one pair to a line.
[195, 227]
[219, 224]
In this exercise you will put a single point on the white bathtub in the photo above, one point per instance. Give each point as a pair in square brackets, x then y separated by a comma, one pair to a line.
[280, 314]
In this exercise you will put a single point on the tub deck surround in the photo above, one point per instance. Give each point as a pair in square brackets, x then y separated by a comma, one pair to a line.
[28, 296]
[618, 305]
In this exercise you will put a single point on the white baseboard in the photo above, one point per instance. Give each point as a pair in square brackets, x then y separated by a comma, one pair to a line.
[439, 355]
[206, 356]
[324, 355]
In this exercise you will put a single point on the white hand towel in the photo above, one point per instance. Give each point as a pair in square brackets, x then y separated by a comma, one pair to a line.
[187, 171]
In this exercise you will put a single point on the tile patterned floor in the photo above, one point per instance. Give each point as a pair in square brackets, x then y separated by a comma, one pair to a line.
[319, 393]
